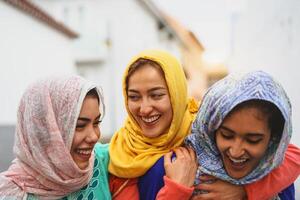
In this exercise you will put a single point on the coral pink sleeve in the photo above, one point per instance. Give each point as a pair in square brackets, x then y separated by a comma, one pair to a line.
[174, 191]
[282, 176]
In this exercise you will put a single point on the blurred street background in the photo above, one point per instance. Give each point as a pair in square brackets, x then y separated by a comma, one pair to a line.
[97, 38]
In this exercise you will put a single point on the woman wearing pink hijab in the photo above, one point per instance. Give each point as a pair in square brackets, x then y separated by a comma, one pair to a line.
[55, 143]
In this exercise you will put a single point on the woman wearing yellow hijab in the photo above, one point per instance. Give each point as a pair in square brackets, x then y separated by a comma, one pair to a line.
[132, 152]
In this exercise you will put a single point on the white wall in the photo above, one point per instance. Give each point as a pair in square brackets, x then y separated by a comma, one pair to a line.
[29, 50]
[267, 38]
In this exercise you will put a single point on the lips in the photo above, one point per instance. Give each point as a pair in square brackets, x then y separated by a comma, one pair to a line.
[84, 153]
[237, 164]
[150, 120]
[238, 161]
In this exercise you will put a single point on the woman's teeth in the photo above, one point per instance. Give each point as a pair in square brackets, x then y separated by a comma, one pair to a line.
[85, 152]
[150, 119]
[237, 160]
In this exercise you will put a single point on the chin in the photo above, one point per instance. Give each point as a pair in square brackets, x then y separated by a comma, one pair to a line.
[83, 166]
[238, 175]
[151, 134]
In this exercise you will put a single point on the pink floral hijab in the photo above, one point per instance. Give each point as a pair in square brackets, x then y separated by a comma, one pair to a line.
[47, 117]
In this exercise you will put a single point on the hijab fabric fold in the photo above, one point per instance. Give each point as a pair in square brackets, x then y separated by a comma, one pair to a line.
[131, 153]
[219, 100]
[47, 117]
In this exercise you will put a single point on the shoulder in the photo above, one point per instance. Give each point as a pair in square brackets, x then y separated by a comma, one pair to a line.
[98, 186]
[9, 189]
[101, 152]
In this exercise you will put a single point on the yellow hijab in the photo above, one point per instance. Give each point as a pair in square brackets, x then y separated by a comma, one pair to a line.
[131, 153]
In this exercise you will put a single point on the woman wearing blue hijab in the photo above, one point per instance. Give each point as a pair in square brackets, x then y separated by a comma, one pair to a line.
[242, 130]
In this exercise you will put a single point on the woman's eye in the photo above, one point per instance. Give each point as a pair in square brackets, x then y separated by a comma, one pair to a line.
[157, 96]
[80, 126]
[253, 141]
[226, 135]
[133, 97]
[97, 123]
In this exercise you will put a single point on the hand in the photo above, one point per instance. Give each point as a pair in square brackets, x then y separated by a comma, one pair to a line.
[219, 190]
[183, 169]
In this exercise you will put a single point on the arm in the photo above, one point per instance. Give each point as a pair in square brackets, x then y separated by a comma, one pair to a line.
[283, 176]
[180, 175]
[174, 191]
[218, 189]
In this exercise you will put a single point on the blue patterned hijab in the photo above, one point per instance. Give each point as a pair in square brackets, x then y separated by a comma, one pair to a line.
[218, 101]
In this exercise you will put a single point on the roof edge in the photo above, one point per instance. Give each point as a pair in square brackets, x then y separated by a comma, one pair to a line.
[34, 11]
[157, 14]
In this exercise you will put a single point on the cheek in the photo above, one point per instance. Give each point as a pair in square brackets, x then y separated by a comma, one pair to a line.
[221, 143]
[259, 151]
[165, 105]
[168, 113]
[132, 107]
[77, 139]
[98, 132]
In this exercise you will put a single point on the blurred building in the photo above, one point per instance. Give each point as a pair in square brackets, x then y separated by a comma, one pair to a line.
[200, 74]
[95, 39]
[266, 38]
[33, 45]
[111, 32]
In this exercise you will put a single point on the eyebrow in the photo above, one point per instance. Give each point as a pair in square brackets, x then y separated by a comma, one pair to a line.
[248, 134]
[87, 119]
[151, 90]
[227, 129]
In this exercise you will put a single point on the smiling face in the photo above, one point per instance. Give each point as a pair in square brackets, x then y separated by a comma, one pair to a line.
[149, 101]
[242, 140]
[87, 132]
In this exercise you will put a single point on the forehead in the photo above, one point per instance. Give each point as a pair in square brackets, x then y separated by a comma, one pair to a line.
[248, 112]
[146, 76]
[90, 105]
[147, 66]
[247, 120]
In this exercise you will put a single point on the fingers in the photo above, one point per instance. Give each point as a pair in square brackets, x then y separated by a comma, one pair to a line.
[206, 196]
[185, 153]
[207, 186]
[192, 153]
[220, 190]
[205, 178]
[204, 186]
[182, 169]
[167, 158]
[180, 153]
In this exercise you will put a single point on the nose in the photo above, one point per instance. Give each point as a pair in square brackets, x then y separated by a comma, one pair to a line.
[145, 107]
[94, 134]
[236, 150]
